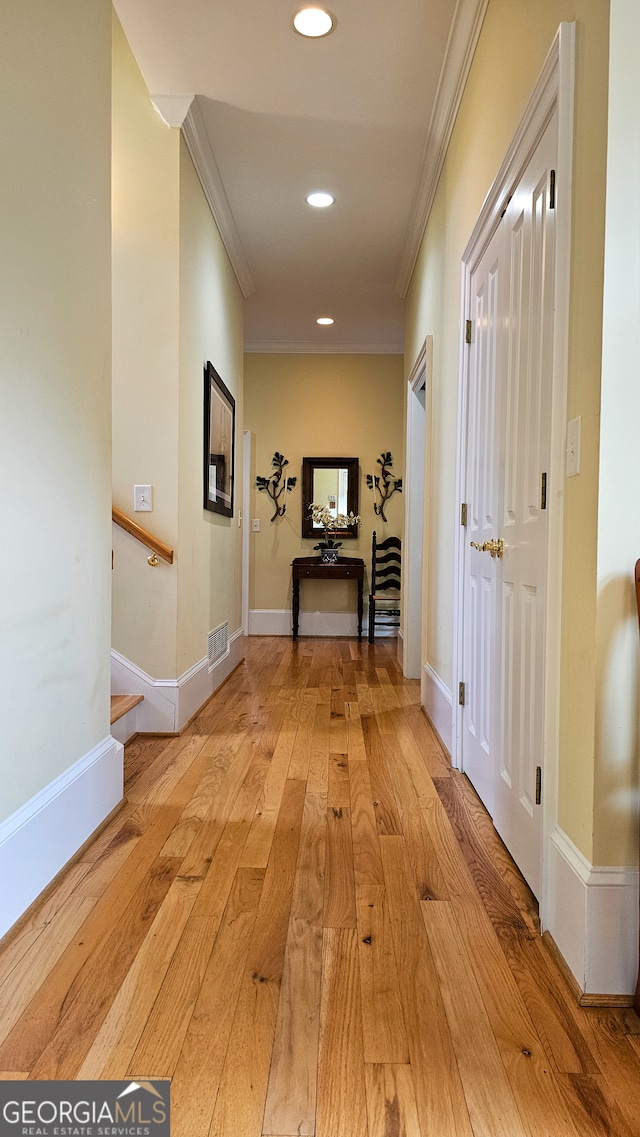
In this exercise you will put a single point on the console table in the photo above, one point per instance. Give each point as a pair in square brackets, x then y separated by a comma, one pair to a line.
[312, 568]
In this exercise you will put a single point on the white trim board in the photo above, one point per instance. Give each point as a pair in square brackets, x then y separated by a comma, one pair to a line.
[400, 648]
[416, 493]
[313, 347]
[463, 37]
[437, 700]
[279, 622]
[590, 909]
[38, 840]
[195, 135]
[173, 109]
[246, 530]
[170, 703]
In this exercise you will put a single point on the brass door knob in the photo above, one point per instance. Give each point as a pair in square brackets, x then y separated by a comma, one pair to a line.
[494, 548]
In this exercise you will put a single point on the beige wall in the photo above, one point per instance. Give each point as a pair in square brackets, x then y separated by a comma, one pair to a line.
[176, 304]
[211, 328]
[617, 766]
[515, 39]
[315, 405]
[55, 417]
[146, 202]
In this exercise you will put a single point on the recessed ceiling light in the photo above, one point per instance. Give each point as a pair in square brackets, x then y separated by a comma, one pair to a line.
[320, 199]
[324, 320]
[313, 22]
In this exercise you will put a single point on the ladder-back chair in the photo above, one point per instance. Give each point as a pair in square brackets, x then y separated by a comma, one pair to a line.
[384, 598]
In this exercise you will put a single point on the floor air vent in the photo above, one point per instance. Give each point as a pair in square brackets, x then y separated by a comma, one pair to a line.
[217, 644]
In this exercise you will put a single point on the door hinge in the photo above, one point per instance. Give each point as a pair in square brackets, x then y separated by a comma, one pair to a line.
[463, 513]
[538, 785]
[467, 332]
[461, 694]
[552, 190]
[543, 492]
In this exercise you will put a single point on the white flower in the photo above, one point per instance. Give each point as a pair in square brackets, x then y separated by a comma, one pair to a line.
[323, 516]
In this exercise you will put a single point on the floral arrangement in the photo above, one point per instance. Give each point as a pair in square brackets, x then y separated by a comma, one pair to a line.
[330, 522]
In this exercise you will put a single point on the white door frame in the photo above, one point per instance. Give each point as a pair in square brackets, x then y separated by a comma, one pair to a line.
[246, 527]
[554, 89]
[414, 563]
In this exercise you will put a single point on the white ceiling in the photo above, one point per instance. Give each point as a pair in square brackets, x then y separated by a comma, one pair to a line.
[364, 113]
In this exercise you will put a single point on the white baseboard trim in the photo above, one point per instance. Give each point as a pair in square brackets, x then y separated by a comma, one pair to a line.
[270, 622]
[157, 714]
[38, 840]
[199, 684]
[437, 701]
[592, 914]
[278, 622]
[170, 703]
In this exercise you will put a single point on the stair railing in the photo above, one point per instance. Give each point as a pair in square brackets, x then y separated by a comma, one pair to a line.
[159, 549]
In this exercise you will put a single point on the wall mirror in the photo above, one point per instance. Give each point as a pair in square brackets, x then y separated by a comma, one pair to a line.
[332, 482]
[219, 436]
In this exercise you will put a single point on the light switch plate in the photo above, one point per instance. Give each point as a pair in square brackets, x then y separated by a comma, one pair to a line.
[574, 431]
[255, 524]
[142, 499]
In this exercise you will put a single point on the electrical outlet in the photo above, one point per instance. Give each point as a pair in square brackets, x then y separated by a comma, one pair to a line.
[142, 499]
[255, 525]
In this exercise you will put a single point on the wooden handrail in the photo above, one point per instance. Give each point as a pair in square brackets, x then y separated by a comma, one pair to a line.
[141, 535]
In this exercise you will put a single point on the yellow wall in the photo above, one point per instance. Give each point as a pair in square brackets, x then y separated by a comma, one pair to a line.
[146, 199]
[176, 304]
[310, 406]
[514, 41]
[211, 328]
[55, 363]
[617, 766]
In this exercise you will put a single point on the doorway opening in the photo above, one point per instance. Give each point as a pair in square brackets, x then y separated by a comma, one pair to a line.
[415, 524]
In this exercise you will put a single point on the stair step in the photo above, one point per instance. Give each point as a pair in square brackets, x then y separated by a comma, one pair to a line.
[120, 704]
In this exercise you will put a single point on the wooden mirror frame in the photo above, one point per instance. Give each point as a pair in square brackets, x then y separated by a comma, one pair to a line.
[309, 466]
[219, 444]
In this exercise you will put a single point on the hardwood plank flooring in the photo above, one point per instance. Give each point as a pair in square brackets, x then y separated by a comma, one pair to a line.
[385, 1038]
[391, 1101]
[305, 919]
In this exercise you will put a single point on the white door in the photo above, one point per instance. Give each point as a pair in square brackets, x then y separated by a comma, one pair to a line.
[483, 511]
[510, 371]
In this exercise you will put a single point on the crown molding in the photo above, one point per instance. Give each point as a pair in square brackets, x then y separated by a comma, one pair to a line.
[197, 140]
[172, 109]
[463, 37]
[308, 347]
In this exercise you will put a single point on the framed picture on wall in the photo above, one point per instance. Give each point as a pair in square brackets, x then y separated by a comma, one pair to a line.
[219, 438]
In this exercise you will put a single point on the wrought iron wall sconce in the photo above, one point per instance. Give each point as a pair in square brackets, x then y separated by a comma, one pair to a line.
[275, 486]
[383, 484]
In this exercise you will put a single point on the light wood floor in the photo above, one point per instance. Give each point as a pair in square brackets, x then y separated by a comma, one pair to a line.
[304, 919]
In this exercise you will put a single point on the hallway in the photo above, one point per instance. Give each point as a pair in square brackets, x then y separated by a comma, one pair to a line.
[304, 918]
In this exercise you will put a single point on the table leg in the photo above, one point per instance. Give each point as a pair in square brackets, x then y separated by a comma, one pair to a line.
[360, 607]
[295, 606]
